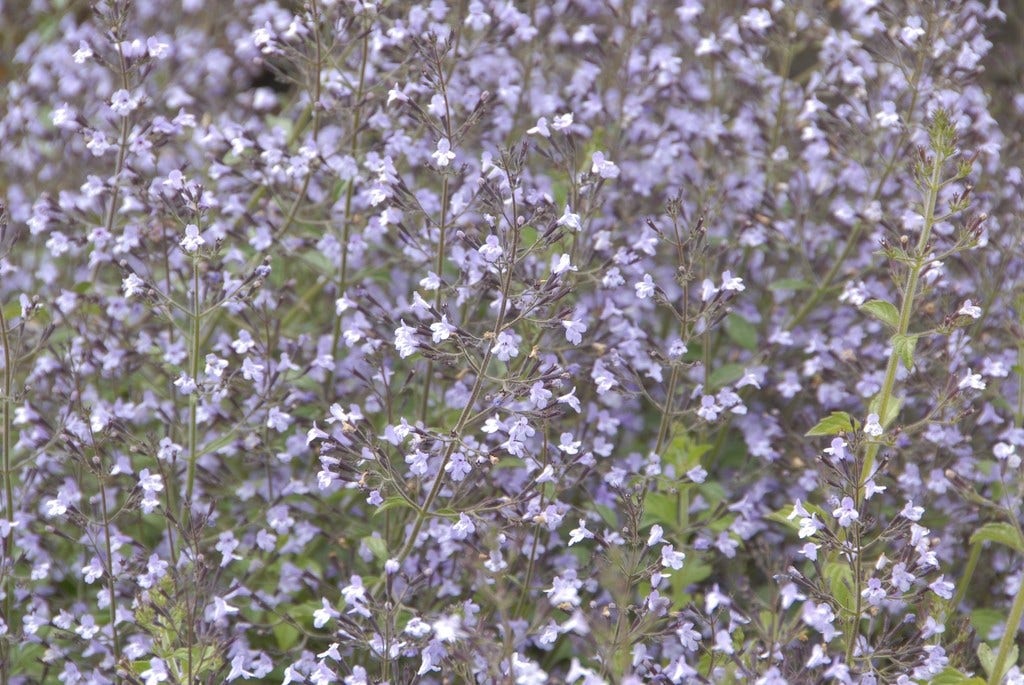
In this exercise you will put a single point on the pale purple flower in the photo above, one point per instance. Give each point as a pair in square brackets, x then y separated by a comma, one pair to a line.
[443, 155]
[604, 168]
[846, 513]
[192, 240]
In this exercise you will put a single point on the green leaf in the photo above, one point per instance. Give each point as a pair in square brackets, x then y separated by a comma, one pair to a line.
[12, 310]
[286, 634]
[835, 423]
[724, 375]
[839, 577]
[377, 546]
[608, 515]
[684, 453]
[741, 331]
[984, 620]
[903, 346]
[392, 503]
[663, 508]
[883, 311]
[1001, 533]
[890, 412]
[951, 676]
[789, 284]
[692, 572]
[987, 658]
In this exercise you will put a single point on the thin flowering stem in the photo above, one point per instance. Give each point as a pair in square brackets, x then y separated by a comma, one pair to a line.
[346, 228]
[8, 485]
[932, 184]
[456, 432]
[442, 235]
[195, 338]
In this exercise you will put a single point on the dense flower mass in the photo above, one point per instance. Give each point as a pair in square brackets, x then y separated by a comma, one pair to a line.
[347, 341]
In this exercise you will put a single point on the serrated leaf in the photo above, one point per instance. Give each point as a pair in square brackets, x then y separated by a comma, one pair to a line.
[724, 375]
[903, 346]
[741, 331]
[1001, 533]
[835, 423]
[987, 658]
[883, 311]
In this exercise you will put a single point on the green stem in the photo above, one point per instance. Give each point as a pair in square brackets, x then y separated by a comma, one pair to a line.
[193, 402]
[1009, 637]
[854, 632]
[965, 580]
[8, 560]
[346, 229]
[906, 309]
[858, 228]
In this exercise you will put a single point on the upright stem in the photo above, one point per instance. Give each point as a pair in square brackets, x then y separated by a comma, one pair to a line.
[193, 401]
[346, 229]
[8, 545]
[1009, 637]
[110, 576]
[906, 310]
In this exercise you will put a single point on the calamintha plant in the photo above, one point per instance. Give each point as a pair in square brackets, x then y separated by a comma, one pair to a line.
[510, 342]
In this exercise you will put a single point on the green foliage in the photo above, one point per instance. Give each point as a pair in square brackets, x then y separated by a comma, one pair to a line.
[1000, 533]
[834, 424]
[883, 311]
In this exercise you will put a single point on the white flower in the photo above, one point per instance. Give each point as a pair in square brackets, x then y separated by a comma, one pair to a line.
[443, 155]
[562, 121]
[970, 309]
[971, 380]
[132, 285]
[561, 264]
[122, 103]
[405, 340]
[579, 534]
[645, 288]
[192, 240]
[872, 427]
[569, 220]
[605, 168]
[441, 330]
[730, 282]
[541, 129]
